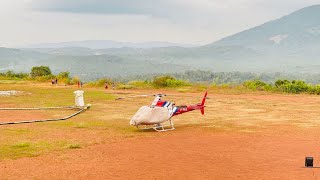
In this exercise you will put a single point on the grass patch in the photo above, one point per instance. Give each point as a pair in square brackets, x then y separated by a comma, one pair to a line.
[23, 149]
[33, 149]
[21, 145]
[74, 146]
[16, 131]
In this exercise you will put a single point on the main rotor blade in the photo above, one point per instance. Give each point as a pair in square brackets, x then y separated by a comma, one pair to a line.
[162, 95]
[144, 95]
[182, 95]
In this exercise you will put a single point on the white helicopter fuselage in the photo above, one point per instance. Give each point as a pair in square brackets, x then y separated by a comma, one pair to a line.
[147, 115]
[153, 115]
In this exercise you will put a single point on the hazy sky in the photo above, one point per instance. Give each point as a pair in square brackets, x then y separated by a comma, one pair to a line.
[184, 21]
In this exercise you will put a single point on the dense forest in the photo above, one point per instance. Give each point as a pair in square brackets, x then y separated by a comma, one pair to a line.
[227, 77]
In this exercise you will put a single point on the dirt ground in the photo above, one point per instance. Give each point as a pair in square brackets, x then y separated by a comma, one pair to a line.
[242, 136]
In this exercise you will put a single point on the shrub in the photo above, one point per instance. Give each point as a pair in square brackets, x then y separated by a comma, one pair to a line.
[296, 87]
[280, 83]
[161, 81]
[168, 81]
[314, 90]
[257, 85]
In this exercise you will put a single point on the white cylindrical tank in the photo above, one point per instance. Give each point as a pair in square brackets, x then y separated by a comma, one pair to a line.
[79, 101]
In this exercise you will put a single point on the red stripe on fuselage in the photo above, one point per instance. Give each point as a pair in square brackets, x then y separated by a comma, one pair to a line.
[182, 109]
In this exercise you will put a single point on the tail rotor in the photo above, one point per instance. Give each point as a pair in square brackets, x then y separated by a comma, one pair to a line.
[203, 102]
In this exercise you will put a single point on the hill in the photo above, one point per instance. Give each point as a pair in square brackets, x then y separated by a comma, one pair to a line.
[291, 41]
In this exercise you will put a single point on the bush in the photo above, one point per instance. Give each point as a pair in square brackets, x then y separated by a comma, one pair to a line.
[280, 83]
[257, 85]
[39, 71]
[168, 81]
[296, 87]
[161, 81]
[314, 90]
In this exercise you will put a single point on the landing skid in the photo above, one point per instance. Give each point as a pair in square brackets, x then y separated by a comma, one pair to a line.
[159, 127]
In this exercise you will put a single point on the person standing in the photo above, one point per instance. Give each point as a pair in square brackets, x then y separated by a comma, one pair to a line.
[106, 86]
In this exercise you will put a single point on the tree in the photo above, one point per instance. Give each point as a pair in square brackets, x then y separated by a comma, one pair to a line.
[38, 71]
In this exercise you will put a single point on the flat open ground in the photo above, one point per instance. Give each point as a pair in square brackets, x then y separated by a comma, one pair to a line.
[243, 135]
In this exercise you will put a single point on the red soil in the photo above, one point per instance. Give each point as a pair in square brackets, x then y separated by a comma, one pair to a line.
[179, 155]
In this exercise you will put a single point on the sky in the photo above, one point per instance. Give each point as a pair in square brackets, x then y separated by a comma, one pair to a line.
[180, 21]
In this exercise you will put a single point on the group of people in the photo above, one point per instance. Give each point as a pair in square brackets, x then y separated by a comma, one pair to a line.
[106, 86]
[79, 84]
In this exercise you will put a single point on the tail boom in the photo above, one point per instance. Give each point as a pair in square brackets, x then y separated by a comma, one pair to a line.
[200, 106]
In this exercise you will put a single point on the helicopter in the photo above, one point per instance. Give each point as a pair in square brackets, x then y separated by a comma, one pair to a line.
[153, 116]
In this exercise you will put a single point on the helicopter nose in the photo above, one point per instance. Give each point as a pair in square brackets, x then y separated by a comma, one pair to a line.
[133, 123]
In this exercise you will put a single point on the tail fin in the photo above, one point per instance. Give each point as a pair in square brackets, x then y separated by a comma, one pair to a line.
[202, 103]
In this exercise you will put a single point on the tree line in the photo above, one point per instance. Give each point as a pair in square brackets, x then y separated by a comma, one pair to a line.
[40, 74]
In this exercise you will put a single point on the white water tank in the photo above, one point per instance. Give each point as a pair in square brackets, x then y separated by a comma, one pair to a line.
[79, 98]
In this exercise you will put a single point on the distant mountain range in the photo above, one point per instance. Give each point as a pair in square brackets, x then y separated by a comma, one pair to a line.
[290, 44]
[106, 44]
